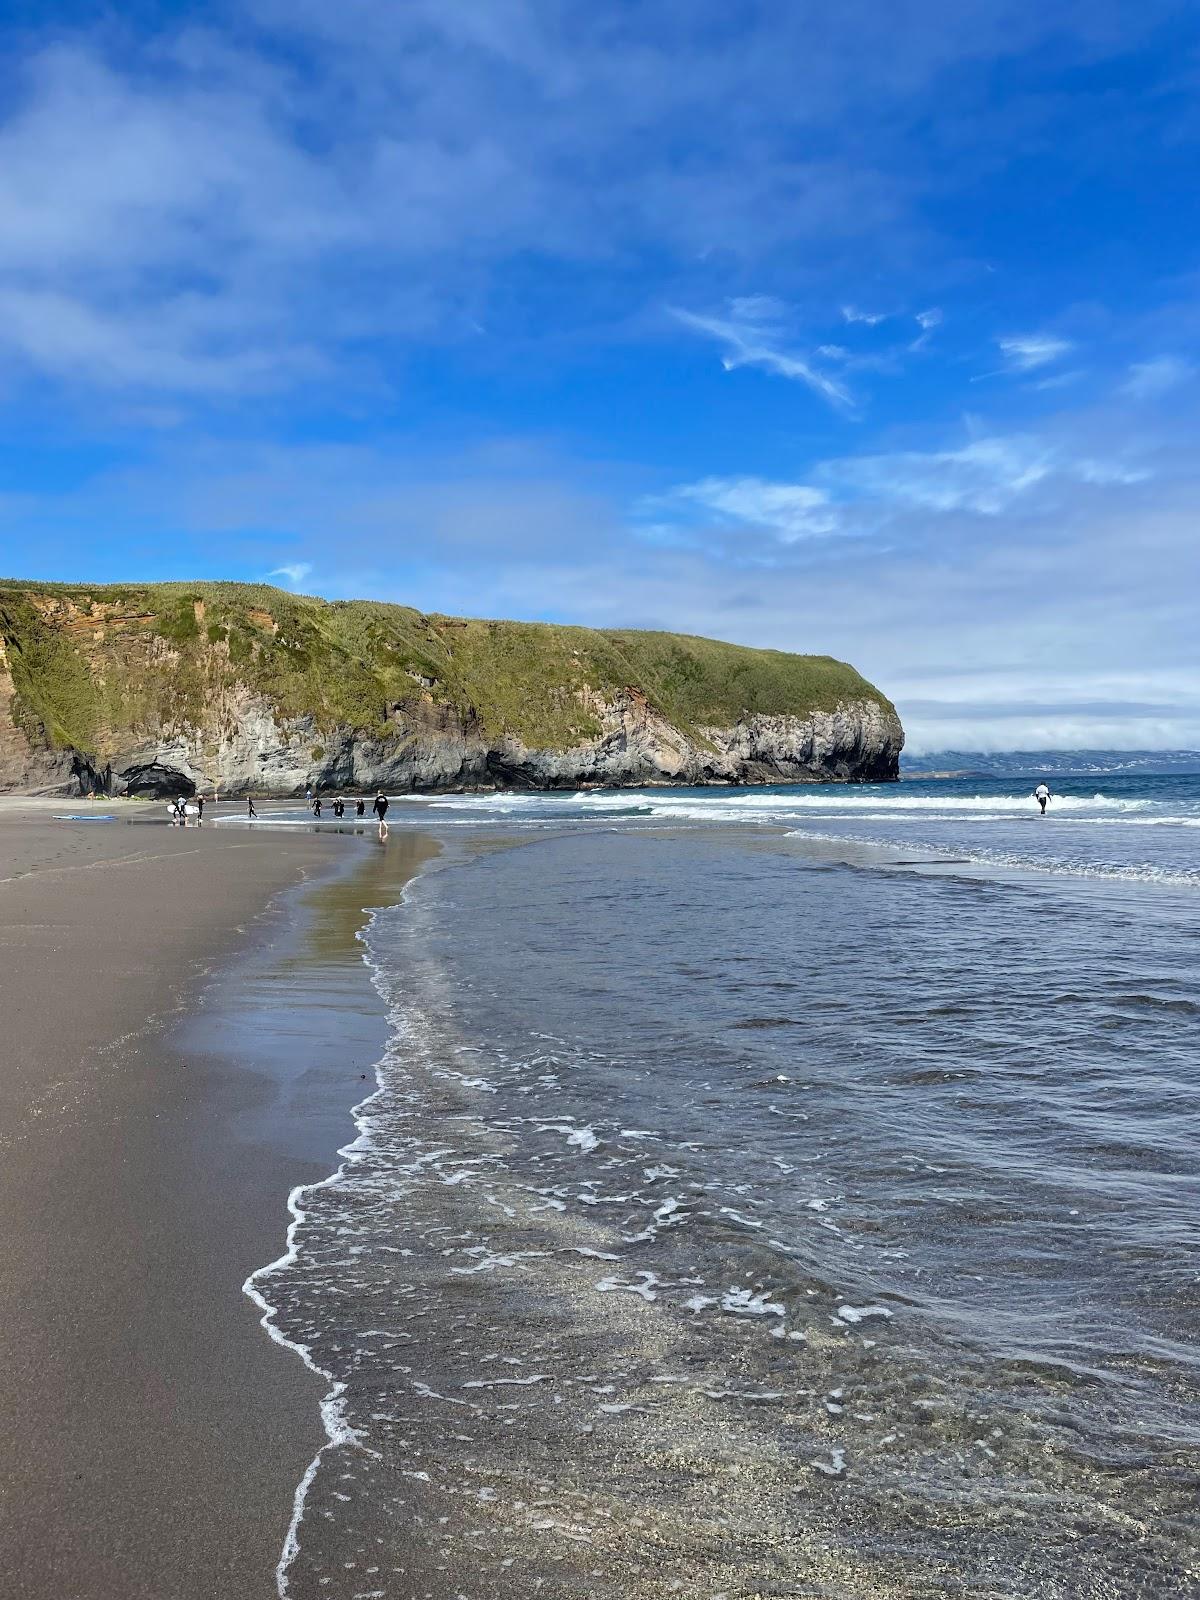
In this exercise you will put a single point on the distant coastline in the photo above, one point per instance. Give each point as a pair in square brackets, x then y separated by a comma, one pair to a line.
[1039, 763]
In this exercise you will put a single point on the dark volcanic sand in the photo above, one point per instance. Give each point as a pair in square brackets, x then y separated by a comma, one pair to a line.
[153, 1435]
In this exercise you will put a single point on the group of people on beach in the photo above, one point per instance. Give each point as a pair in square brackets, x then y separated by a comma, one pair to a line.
[183, 810]
[379, 808]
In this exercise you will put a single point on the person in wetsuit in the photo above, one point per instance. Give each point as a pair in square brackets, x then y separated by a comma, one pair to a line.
[317, 808]
[339, 807]
[360, 809]
[251, 814]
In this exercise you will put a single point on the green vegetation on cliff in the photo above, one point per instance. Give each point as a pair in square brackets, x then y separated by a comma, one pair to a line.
[94, 666]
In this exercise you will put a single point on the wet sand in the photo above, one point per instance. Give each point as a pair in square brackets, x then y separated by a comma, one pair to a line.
[153, 1434]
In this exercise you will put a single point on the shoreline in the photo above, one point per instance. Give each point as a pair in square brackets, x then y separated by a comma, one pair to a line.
[327, 990]
[145, 1175]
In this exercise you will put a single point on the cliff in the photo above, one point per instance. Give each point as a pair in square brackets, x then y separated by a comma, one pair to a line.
[164, 688]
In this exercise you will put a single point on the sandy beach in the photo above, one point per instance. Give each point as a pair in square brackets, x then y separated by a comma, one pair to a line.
[154, 1435]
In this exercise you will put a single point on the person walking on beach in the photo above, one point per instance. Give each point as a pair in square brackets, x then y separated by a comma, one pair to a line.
[1041, 794]
[360, 809]
[251, 814]
[200, 808]
[339, 808]
[380, 809]
[317, 808]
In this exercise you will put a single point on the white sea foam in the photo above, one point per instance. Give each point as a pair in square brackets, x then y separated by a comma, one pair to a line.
[861, 1313]
[582, 1138]
[1083, 835]
[646, 1290]
[338, 1432]
[750, 1303]
[507, 1383]
[736, 1216]
[834, 1467]
[825, 798]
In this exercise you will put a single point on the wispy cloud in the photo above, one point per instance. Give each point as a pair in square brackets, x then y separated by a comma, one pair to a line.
[788, 511]
[927, 321]
[295, 572]
[751, 335]
[871, 318]
[1056, 380]
[1149, 379]
[985, 476]
[1108, 472]
[1026, 352]
[856, 495]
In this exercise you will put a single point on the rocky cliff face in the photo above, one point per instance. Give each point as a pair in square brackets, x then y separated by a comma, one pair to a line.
[170, 713]
[859, 742]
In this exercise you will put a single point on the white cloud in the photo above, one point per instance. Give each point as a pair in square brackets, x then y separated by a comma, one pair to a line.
[309, 176]
[871, 318]
[1027, 352]
[753, 341]
[1109, 472]
[790, 511]
[929, 319]
[295, 572]
[223, 208]
[985, 476]
[147, 222]
[760, 310]
[1056, 380]
[178, 346]
[1149, 379]
[854, 495]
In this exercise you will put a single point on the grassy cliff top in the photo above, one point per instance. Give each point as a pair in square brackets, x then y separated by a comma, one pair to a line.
[94, 665]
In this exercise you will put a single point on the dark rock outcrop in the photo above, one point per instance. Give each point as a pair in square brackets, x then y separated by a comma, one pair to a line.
[151, 780]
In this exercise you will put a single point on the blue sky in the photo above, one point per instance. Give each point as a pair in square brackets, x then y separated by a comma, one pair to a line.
[868, 329]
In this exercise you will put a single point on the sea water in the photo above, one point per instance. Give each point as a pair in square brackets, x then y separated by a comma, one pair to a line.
[768, 1192]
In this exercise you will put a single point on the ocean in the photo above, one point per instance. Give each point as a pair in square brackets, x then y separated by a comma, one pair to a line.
[768, 1192]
